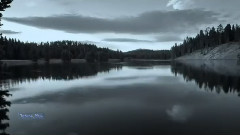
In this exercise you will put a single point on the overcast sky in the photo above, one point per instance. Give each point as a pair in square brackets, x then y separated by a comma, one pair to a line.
[117, 24]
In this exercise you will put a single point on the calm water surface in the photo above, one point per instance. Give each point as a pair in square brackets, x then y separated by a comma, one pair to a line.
[136, 98]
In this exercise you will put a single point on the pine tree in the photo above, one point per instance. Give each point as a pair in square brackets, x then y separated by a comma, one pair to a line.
[237, 33]
[232, 34]
[227, 33]
[3, 5]
[220, 31]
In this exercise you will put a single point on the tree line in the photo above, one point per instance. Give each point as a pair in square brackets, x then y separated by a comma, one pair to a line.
[65, 50]
[211, 37]
[13, 49]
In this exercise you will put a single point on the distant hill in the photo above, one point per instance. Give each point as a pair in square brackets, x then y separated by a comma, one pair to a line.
[149, 54]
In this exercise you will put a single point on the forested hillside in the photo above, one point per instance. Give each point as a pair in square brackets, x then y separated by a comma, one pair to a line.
[66, 50]
[13, 49]
[211, 37]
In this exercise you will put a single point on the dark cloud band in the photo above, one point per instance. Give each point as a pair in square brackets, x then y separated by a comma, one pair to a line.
[177, 21]
[9, 32]
[126, 40]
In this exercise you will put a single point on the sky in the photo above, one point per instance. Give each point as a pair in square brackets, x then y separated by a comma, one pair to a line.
[117, 24]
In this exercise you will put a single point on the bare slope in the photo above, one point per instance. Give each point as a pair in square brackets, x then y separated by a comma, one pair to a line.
[229, 51]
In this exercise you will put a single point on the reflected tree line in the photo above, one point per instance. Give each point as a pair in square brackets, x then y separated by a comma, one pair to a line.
[142, 63]
[19, 74]
[207, 79]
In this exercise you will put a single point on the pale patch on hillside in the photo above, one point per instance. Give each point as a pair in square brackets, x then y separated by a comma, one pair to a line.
[229, 51]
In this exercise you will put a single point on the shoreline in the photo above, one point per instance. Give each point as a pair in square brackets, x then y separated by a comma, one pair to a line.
[8, 63]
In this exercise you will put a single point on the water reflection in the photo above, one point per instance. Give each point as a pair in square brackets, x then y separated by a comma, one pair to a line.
[20, 74]
[57, 71]
[125, 98]
[215, 76]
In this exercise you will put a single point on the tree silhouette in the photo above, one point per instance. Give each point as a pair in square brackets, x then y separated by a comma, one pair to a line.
[3, 5]
[3, 111]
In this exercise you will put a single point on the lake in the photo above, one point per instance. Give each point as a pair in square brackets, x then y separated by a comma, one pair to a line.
[129, 98]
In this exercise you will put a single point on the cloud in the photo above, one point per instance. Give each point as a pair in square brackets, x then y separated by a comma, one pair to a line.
[162, 38]
[179, 113]
[125, 40]
[180, 4]
[9, 32]
[178, 21]
[31, 4]
[168, 38]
